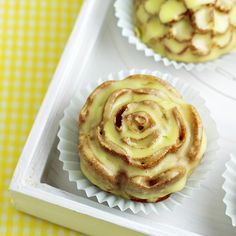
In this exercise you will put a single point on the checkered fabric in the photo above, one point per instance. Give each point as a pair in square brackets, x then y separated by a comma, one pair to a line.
[33, 34]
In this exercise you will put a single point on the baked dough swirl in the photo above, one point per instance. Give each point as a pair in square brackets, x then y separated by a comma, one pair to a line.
[139, 139]
[187, 30]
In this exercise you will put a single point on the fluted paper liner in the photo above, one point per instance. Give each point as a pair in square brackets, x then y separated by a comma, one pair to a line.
[229, 187]
[69, 138]
[124, 13]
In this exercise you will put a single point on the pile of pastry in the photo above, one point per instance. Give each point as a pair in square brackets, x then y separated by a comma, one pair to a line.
[139, 139]
[187, 30]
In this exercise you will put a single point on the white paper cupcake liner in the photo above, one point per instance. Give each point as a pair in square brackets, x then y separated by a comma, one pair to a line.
[124, 13]
[229, 187]
[69, 138]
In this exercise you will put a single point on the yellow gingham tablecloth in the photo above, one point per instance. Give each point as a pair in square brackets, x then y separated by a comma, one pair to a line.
[33, 34]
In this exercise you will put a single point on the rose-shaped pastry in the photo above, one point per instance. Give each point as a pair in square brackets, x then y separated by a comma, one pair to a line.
[187, 30]
[139, 139]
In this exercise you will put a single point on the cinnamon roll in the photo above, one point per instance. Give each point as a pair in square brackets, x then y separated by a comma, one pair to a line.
[139, 139]
[187, 30]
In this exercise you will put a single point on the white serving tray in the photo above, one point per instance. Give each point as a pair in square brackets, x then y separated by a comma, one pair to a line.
[40, 187]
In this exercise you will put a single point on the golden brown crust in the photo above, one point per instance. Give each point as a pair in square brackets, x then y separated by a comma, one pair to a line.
[85, 109]
[172, 35]
[224, 5]
[92, 162]
[151, 78]
[210, 20]
[128, 147]
[214, 18]
[197, 134]
[217, 40]
[146, 200]
[179, 53]
[157, 182]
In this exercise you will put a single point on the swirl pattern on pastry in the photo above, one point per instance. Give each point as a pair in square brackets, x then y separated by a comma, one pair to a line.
[139, 139]
[187, 30]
